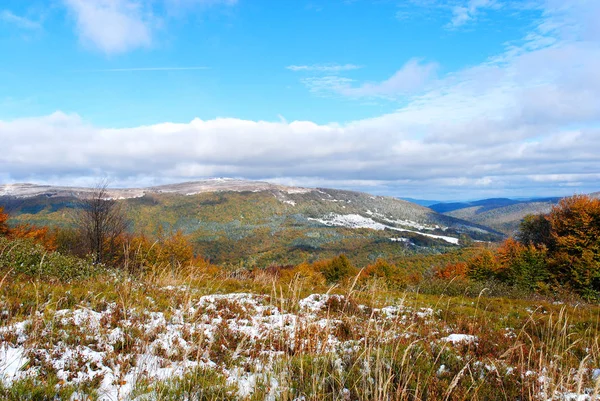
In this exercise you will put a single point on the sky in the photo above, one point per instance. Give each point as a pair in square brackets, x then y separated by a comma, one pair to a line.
[429, 99]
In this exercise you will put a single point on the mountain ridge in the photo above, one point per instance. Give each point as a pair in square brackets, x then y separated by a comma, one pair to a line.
[183, 188]
[232, 219]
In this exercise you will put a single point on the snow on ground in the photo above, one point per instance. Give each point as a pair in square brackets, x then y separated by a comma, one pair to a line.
[358, 221]
[116, 347]
[401, 239]
[407, 223]
[460, 338]
[11, 361]
[241, 336]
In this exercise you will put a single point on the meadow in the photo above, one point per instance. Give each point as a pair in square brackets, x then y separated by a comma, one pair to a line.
[147, 319]
[204, 332]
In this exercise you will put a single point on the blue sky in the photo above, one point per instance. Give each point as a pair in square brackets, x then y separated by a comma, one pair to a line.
[444, 99]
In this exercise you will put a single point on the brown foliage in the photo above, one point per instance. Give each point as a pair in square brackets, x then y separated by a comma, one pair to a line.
[451, 271]
[3, 222]
[395, 276]
[141, 252]
[40, 235]
[575, 248]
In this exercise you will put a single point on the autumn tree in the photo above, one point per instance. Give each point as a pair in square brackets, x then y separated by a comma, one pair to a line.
[523, 266]
[100, 221]
[575, 247]
[176, 249]
[535, 230]
[4, 230]
[452, 271]
[337, 269]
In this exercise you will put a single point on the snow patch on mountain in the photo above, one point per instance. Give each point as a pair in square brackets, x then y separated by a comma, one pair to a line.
[358, 221]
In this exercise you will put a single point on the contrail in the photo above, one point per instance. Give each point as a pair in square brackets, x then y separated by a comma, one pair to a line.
[147, 69]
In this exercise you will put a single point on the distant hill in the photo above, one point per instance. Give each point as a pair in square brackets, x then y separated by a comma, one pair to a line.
[422, 202]
[501, 214]
[258, 222]
[484, 204]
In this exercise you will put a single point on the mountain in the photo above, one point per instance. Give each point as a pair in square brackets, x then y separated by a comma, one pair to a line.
[501, 214]
[486, 204]
[257, 222]
[422, 202]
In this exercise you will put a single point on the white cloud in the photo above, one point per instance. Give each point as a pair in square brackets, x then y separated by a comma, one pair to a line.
[113, 26]
[462, 14]
[21, 22]
[412, 77]
[328, 84]
[206, 3]
[118, 26]
[328, 68]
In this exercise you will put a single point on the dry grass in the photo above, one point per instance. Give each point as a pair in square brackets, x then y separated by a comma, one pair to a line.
[166, 335]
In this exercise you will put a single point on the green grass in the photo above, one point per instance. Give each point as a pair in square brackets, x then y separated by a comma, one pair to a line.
[22, 256]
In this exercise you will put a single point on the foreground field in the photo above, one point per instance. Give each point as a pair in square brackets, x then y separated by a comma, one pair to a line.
[234, 335]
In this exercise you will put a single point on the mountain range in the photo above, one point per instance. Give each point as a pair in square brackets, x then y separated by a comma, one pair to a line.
[233, 220]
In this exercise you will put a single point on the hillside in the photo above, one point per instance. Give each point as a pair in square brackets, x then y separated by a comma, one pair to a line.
[259, 223]
[500, 214]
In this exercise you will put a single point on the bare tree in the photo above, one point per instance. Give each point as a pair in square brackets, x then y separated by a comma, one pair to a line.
[100, 221]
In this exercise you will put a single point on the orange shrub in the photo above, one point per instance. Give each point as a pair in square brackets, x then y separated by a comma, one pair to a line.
[451, 271]
[3, 222]
[40, 235]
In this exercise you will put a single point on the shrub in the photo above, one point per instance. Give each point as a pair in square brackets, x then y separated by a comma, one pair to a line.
[41, 235]
[483, 266]
[522, 266]
[514, 264]
[3, 223]
[306, 273]
[23, 256]
[394, 276]
[451, 271]
[337, 269]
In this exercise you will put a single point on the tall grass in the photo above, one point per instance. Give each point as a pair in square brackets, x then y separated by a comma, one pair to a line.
[351, 349]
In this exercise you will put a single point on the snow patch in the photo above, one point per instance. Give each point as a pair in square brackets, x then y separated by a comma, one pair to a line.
[460, 338]
[358, 221]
